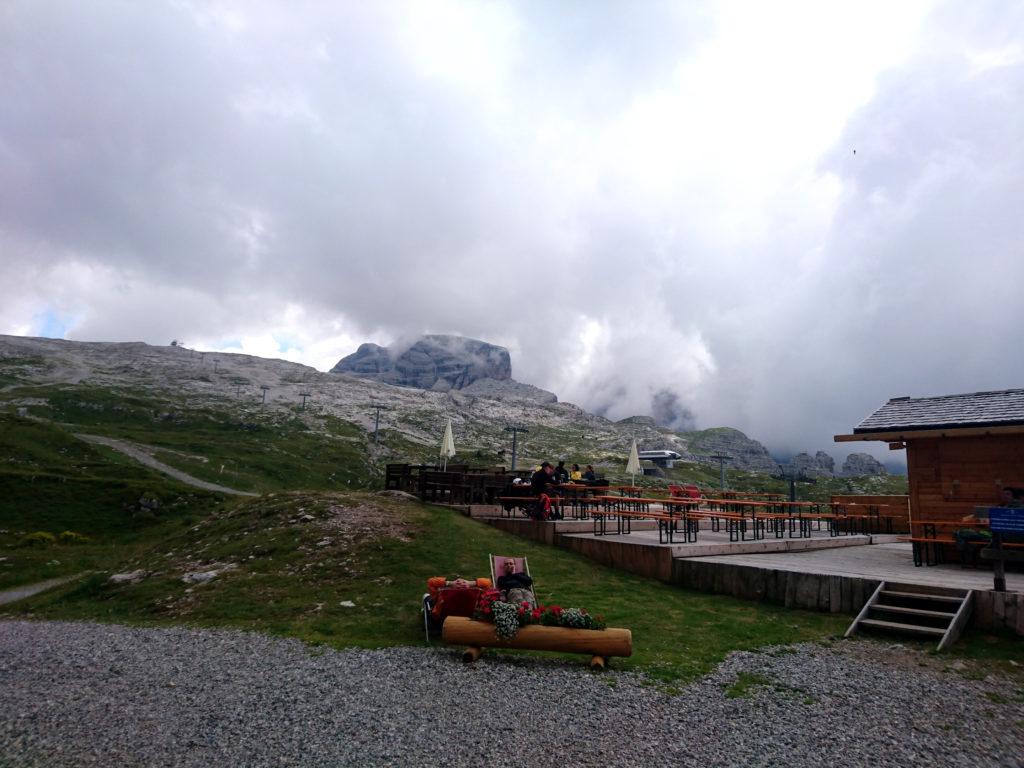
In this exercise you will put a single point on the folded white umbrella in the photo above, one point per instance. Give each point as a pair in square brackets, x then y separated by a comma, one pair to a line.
[633, 465]
[447, 445]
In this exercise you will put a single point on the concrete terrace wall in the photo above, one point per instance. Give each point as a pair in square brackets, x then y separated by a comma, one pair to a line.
[810, 591]
[641, 559]
[823, 592]
[999, 610]
[793, 589]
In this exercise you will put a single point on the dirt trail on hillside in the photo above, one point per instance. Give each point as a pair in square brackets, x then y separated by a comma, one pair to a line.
[15, 594]
[141, 456]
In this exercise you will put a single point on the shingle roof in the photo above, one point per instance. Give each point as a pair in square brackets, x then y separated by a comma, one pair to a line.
[976, 409]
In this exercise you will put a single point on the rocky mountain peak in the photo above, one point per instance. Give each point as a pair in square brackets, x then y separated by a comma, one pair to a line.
[858, 464]
[435, 362]
[818, 465]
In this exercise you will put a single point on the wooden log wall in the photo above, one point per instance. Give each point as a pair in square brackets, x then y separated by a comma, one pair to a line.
[951, 476]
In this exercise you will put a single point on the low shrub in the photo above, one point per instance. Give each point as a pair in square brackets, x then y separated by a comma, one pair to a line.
[37, 539]
[72, 537]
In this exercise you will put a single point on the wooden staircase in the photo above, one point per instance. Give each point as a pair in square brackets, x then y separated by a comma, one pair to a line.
[941, 613]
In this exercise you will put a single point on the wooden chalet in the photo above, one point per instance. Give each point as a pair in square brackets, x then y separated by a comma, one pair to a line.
[961, 449]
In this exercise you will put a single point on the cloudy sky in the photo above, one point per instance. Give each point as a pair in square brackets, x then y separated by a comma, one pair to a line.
[773, 216]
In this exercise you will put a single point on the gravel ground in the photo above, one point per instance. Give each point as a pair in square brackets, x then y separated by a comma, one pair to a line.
[88, 694]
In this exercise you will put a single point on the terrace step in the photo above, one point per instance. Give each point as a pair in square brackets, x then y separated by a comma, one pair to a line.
[952, 600]
[956, 610]
[916, 629]
[912, 611]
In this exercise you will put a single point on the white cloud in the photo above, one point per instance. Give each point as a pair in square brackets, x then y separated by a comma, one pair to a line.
[632, 198]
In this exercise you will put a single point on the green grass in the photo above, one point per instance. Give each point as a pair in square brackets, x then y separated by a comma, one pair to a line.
[288, 581]
[989, 651]
[243, 447]
[52, 482]
[292, 587]
[745, 684]
[291, 582]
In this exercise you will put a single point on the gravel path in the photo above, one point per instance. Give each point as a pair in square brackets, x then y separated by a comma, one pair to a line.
[87, 694]
[128, 449]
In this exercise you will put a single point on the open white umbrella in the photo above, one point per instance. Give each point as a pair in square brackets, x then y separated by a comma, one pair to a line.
[447, 445]
[633, 465]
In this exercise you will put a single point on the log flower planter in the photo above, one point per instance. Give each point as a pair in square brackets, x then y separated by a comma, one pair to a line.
[598, 643]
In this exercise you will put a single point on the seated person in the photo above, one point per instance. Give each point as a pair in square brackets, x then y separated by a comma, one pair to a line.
[516, 586]
[589, 476]
[575, 475]
[1016, 497]
[543, 485]
[1008, 497]
[561, 473]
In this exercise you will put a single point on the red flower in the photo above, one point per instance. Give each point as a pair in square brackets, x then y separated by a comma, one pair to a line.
[536, 613]
[556, 609]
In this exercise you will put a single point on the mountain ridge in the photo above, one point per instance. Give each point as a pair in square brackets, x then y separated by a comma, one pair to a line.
[411, 422]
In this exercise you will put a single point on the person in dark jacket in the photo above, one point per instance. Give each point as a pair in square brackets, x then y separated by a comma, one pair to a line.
[517, 586]
[561, 473]
[542, 485]
[543, 479]
[589, 476]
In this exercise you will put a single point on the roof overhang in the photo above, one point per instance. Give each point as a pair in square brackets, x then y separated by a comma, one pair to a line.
[911, 433]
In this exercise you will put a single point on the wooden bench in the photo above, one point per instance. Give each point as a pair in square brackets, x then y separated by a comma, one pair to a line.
[667, 523]
[510, 503]
[927, 549]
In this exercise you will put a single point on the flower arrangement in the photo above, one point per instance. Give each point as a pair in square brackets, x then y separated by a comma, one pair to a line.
[509, 617]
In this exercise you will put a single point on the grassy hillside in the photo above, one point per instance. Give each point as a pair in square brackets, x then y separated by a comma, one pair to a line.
[50, 482]
[295, 559]
[238, 445]
[299, 555]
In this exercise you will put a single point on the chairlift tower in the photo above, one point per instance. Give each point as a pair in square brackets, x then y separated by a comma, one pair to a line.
[376, 421]
[515, 429]
[304, 395]
[721, 458]
[264, 387]
[793, 477]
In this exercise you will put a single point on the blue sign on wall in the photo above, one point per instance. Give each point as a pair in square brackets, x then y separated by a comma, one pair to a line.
[1006, 520]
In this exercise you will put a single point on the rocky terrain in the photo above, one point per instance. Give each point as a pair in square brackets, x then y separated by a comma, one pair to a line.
[818, 465]
[411, 422]
[823, 465]
[859, 464]
[442, 363]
